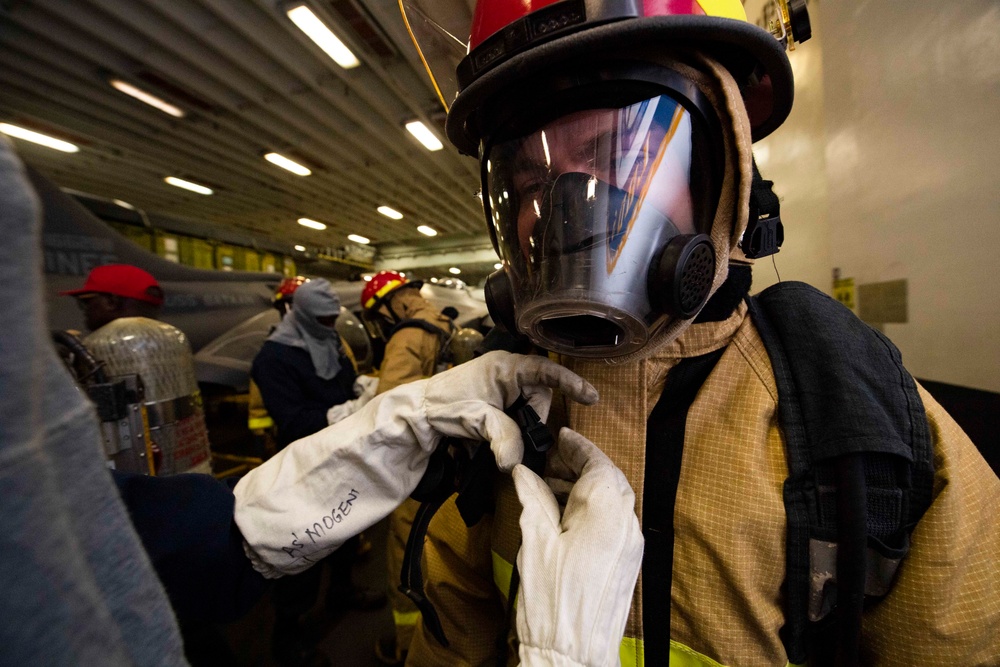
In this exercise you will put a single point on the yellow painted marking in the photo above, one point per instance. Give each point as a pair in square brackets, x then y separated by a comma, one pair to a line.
[730, 9]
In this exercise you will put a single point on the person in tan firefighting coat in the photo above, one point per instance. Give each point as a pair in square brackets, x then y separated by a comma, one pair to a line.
[615, 141]
[391, 304]
[414, 333]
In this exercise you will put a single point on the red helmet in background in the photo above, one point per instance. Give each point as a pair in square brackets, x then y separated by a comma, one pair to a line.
[286, 288]
[382, 285]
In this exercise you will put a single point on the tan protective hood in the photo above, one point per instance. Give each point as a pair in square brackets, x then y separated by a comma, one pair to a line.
[718, 85]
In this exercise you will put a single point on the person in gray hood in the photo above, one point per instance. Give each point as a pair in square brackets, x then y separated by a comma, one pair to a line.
[304, 369]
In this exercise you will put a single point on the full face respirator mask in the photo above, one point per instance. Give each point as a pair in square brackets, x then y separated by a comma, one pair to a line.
[600, 198]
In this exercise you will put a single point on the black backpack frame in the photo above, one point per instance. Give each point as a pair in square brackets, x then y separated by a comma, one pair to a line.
[860, 462]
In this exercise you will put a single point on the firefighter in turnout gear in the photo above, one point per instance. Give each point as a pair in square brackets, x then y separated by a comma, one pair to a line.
[853, 525]
[411, 353]
[412, 329]
[417, 340]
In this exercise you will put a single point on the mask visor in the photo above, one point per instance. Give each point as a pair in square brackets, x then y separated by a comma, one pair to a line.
[582, 208]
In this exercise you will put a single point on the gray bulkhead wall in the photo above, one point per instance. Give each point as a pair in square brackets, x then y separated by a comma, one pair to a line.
[889, 169]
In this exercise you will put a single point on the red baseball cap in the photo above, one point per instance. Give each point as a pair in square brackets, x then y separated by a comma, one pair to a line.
[121, 280]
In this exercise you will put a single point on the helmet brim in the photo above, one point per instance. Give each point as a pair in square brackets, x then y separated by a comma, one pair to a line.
[736, 44]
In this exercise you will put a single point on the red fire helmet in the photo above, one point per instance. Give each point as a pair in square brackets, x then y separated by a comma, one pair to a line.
[287, 287]
[381, 285]
[512, 41]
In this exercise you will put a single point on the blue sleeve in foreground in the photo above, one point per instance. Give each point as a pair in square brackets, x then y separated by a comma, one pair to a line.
[186, 525]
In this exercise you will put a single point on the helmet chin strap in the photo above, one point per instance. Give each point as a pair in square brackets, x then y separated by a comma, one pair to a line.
[392, 312]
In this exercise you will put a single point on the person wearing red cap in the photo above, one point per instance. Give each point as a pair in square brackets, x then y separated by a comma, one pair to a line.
[117, 290]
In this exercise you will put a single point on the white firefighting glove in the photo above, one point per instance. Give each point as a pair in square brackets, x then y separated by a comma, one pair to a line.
[365, 387]
[578, 572]
[322, 490]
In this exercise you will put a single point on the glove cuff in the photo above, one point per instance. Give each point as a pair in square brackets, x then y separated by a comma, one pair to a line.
[266, 570]
[536, 656]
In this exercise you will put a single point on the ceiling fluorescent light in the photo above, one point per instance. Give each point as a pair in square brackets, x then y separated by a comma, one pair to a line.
[300, 248]
[311, 224]
[358, 239]
[38, 138]
[498, 266]
[316, 30]
[424, 136]
[143, 96]
[454, 270]
[285, 163]
[188, 185]
[427, 231]
[390, 212]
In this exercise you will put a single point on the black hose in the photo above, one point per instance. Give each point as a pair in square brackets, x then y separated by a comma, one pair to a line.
[94, 367]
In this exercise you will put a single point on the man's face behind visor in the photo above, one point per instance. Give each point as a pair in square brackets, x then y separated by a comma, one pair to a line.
[582, 208]
[599, 144]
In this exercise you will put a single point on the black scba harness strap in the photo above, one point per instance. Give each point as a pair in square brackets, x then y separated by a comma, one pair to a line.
[860, 464]
[453, 469]
[665, 430]
[420, 324]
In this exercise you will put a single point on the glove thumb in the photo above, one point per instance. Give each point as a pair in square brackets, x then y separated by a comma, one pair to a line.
[538, 503]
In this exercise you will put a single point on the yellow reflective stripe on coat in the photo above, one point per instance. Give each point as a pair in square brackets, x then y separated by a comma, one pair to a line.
[259, 423]
[729, 9]
[631, 653]
[631, 650]
[405, 617]
[502, 572]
